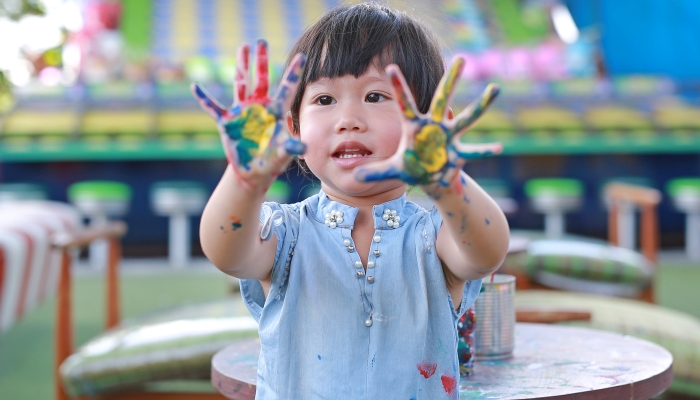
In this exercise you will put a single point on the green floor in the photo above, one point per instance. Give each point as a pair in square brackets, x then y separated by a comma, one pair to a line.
[26, 351]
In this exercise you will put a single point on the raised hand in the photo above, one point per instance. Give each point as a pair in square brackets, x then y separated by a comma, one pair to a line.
[257, 144]
[430, 150]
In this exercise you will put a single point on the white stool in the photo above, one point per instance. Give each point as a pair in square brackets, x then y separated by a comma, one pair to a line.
[99, 200]
[178, 200]
[685, 193]
[553, 197]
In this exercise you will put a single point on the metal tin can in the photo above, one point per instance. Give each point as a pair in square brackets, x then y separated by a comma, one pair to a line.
[495, 313]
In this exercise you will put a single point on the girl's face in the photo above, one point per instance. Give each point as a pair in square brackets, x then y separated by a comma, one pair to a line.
[346, 122]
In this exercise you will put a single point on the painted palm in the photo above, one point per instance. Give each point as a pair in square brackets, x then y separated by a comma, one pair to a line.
[431, 150]
[253, 137]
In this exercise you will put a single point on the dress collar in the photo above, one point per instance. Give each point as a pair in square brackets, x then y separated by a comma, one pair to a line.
[344, 215]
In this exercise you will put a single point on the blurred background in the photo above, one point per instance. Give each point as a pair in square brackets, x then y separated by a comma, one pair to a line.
[96, 111]
[590, 90]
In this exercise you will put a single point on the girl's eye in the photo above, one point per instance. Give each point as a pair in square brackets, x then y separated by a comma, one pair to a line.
[375, 98]
[325, 100]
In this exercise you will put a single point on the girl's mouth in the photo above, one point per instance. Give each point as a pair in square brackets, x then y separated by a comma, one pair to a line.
[350, 154]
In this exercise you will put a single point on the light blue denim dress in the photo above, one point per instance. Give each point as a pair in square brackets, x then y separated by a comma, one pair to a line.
[331, 330]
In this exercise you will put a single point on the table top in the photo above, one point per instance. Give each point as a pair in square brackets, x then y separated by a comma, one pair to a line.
[549, 362]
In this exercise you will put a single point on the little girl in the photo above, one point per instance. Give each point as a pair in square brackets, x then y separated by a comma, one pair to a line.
[357, 291]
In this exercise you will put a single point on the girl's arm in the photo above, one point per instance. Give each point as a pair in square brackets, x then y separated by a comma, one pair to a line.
[258, 149]
[473, 239]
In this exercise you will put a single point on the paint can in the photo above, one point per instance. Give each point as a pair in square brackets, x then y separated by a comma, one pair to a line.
[495, 316]
[466, 342]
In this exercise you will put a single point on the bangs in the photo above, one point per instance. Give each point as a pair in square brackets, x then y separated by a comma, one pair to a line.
[347, 40]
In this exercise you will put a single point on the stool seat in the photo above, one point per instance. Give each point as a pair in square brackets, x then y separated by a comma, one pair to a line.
[278, 192]
[553, 197]
[173, 197]
[685, 193]
[554, 193]
[100, 197]
[22, 191]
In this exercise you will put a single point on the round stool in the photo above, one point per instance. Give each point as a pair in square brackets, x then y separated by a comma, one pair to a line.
[553, 197]
[278, 192]
[499, 190]
[22, 191]
[178, 200]
[99, 200]
[626, 221]
[685, 193]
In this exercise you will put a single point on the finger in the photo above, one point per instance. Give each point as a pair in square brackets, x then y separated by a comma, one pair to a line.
[283, 98]
[207, 103]
[445, 88]
[390, 168]
[242, 75]
[404, 98]
[466, 118]
[262, 77]
[473, 151]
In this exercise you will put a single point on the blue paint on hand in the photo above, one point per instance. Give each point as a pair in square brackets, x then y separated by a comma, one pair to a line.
[293, 146]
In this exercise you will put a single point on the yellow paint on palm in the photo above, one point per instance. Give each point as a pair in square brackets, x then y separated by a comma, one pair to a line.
[430, 146]
[259, 126]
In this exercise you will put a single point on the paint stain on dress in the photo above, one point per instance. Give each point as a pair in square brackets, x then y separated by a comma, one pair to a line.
[427, 369]
[449, 383]
[488, 222]
[319, 356]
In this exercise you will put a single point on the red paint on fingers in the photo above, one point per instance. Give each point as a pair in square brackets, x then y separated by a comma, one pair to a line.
[427, 369]
[262, 77]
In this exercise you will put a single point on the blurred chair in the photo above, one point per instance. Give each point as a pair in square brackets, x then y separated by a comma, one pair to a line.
[553, 197]
[127, 125]
[98, 201]
[44, 125]
[626, 220]
[178, 200]
[616, 118]
[279, 192]
[685, 193]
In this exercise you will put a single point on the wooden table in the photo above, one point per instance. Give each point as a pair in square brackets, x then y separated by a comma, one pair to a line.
[549, 362]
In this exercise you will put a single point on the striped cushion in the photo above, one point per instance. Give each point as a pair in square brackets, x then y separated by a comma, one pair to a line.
[588, 266]
[175, 344]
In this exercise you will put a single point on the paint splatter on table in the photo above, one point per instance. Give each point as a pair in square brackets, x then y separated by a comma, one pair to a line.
[549, 361]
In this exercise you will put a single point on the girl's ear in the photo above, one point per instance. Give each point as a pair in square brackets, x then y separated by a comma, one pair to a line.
[294, 133]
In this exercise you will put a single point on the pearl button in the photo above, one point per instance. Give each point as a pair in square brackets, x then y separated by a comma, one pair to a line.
[376, 252]
[368, 322]
[360, 274]
[347, 242]
[377, 239]
[370, 279]
[358, 264]
[370, 264]
[350, 249]
[332, 224]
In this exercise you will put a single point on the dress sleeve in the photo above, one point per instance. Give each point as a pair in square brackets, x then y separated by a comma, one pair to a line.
[278, 220]
[471, 288]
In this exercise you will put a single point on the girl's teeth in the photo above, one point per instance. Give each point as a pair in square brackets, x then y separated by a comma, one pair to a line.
[350, 155]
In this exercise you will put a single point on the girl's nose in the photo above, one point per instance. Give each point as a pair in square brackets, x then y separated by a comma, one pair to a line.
[350, 119]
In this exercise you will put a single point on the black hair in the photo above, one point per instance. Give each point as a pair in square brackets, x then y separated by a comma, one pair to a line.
[347, 40]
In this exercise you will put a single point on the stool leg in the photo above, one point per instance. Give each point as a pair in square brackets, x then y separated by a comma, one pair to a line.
[554, 224]
[692, 235]
[97, 253]
[626, 226]
[179, 240]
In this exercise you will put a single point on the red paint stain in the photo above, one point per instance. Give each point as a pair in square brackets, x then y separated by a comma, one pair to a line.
[449, 383]
[262, 78]
[426, 369]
